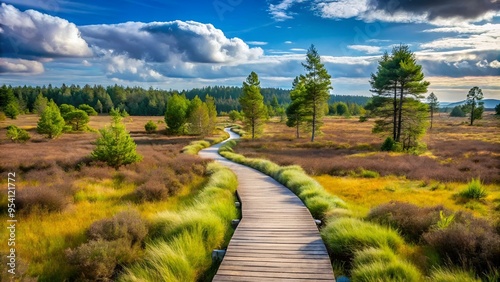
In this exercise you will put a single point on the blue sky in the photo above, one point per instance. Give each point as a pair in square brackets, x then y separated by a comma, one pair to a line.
[182, 45]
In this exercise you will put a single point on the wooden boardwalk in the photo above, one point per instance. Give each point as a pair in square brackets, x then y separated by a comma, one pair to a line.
[277, 238]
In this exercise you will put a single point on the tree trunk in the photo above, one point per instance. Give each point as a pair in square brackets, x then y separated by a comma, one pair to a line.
[400, 113]
[472, 113]
[313, 122]
[432, 115]
[395, 115]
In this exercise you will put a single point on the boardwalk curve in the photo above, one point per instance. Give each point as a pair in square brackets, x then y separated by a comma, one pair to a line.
[277, 238]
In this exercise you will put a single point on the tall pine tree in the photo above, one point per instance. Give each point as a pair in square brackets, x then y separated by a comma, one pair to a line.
[252, 105]
[317, 85]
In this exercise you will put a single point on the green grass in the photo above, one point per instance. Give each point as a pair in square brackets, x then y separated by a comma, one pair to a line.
[452, 275]
[345, 236]
[195, 146]
[181, 242]
[474, 190]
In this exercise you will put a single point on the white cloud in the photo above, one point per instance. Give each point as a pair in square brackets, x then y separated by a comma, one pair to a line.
[365, 48]
[342, 9]
[298, 49]
[86, 63]
[495, 64]
[20, 66]
[288, 42]
[170, 42]
[258, 43]
[33, 34]
[280, 11]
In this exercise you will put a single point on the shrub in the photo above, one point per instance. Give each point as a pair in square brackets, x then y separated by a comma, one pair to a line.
[17, 134]
[468, 242]
[51, 122]
[126, 225]
[77, 119]
[12, 110]
[46, 198]
[412, 221]
[345, 236]
[369, 174]
[474, 190]
[457, 112]
[152, 190]
[388, 144]
[150, 127]
[97, 260]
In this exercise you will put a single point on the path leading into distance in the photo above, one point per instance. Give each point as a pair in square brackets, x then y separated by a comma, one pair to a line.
[277, 238]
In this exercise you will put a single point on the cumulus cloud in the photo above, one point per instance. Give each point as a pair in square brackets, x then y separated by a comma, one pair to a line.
[170, 41]
[20, 66]
[280, 11]
[444, 9]
[342, 9]
[31, 34]
[438, 12]
[495, 64]
[365, 48]
[258, 43]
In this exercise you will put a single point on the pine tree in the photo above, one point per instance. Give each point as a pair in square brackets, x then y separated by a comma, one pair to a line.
[176, 113]
[115, 146]
[51, 122]
[317, 86]
[296, 111]
[252, 105]
[473, 101]
[433, 103]
[198, 117]
[212, 112]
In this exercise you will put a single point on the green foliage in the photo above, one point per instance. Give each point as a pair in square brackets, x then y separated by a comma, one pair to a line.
[77, 119]
[235, 116]
[66, 109]
[194, 147]
[88, 109]
[476, 108]
[474, 190]
[399, 79]
[297, 112]
[198, 118]
[444, 221]
[12, 110]
[115, 146]
[388, 144]
[344, 236]
[252, 105]
[51, 122]
[150, 127]
[395, 270]
[457, 112]
[40, 104]
[433, 103]
[317, 85]
[176, 113]
[497, 110]
[341, 109]
[2, 116]
[17, 134]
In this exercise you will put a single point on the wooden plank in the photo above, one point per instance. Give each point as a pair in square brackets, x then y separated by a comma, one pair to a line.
[276, 239]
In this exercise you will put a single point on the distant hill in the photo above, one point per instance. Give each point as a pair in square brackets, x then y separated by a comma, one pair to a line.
[488, 103]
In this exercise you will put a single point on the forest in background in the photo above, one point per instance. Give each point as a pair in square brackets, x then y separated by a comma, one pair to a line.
[148, 102]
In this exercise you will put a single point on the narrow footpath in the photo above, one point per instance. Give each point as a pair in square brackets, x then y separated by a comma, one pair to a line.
[277, 238]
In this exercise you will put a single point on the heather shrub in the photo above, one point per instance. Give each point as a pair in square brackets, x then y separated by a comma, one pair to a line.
[411, 220]
[152, 190]
[97, 260]
[468, 242]
[126, 225]
[474, 190]
[45, 198]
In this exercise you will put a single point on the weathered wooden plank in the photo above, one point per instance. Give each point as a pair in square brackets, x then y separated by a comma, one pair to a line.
[277, 238]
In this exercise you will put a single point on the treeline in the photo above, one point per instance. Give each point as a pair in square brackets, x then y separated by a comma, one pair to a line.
[144, 102]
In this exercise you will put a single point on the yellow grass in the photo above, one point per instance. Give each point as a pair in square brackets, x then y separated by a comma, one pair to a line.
[362, 194]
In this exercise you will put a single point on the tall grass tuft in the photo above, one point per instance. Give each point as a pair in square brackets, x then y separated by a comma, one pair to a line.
[474, 190]
[344, 236]
[452, 275]
[181, 242]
